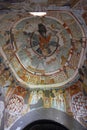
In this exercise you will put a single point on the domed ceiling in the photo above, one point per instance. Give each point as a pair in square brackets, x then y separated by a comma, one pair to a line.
[43, 51]
[43, 60]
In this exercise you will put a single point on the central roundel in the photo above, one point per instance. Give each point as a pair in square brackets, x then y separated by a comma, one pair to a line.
[47, 50]
[44, 42]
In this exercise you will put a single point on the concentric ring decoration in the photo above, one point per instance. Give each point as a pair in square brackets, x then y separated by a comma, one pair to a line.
[48, 50]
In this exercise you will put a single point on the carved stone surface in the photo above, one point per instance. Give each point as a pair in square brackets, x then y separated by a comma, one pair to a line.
[47, 114]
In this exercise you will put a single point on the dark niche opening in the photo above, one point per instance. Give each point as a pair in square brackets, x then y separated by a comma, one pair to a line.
[45, 125]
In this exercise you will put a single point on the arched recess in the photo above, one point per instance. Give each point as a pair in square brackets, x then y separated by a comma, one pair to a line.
[47, 116]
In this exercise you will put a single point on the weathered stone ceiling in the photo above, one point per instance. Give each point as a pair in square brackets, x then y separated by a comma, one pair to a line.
[11, 4]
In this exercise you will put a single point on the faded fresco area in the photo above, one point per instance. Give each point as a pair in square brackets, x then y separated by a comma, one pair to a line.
[40, 53]
[43, 63]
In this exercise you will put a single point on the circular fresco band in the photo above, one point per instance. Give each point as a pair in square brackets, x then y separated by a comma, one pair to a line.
[48, 50]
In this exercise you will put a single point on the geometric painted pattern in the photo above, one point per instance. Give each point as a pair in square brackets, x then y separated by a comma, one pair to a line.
[15, 105]
[79, 105]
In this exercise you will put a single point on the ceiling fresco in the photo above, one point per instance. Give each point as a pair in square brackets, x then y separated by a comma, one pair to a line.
[47, 48]
[43, 60]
